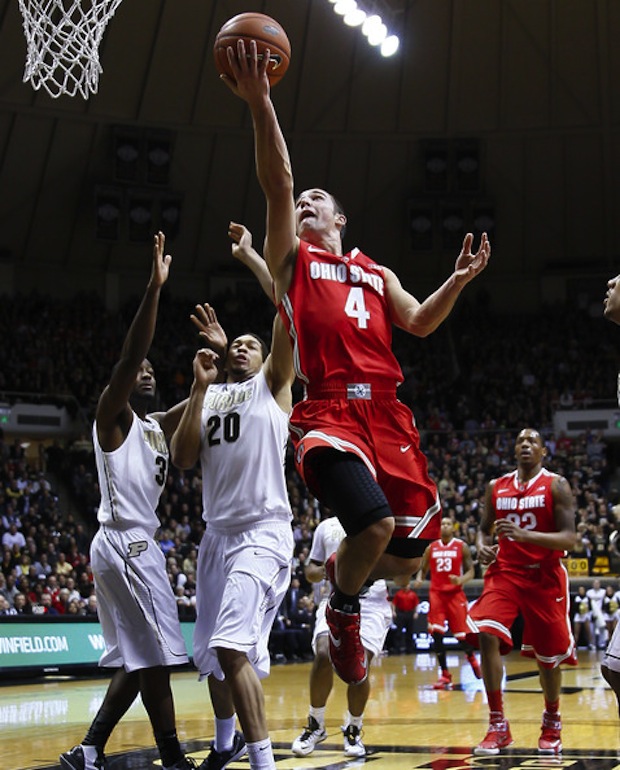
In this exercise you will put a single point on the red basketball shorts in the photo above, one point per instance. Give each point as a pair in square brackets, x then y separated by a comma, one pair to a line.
[382, 434]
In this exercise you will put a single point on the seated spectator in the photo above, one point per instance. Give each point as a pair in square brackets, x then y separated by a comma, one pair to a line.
[21, 604]
[74, 609]
[61, 601]
[63, 567]
[5, 607]
[44, 606]
[91, 606]
[185, 606]
[13, 539]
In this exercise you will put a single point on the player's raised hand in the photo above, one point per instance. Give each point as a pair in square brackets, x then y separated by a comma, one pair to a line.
[249, 71]
[161, 262]
[469, 265]
[209, 328]
[205, 366]
[241, 242]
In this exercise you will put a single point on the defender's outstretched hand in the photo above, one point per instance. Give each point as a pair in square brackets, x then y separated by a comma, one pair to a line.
[241, 242]
[209, 328]
[205, 366]
[161, 262]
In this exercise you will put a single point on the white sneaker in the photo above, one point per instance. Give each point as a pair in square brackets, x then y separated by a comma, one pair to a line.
[313, 733]
[353, 746]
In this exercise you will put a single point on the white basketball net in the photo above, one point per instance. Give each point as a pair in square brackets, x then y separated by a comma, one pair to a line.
[63, 38]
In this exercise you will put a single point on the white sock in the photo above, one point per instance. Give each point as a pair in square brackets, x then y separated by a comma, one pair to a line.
[90, 755]
[318, 714]
[349, 719]
[224, 733]
[260, 755]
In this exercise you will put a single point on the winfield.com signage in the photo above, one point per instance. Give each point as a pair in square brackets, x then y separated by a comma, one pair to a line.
[46, 645]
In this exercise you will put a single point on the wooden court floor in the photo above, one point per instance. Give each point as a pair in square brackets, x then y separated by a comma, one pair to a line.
[407, 724]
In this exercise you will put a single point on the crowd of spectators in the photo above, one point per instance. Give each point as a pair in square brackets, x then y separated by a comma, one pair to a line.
[471, 385]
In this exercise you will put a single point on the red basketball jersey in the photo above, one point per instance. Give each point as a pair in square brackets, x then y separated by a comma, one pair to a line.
[445, 559]
[529, 506]
[337, 316]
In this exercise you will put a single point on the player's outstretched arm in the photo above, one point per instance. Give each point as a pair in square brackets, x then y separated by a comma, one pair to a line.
[185, 443]
[243, 251]
[273, 163]
[422, 318]
[278, 367]
[214, 337]
[113, 405]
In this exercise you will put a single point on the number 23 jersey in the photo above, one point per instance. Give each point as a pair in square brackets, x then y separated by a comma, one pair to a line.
[337, 316]
[445, 559]
[243, 442]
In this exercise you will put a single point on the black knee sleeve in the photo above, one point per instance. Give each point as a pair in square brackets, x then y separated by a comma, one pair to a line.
[349, 489]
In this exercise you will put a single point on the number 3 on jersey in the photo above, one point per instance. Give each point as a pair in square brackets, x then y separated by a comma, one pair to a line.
[355, 307]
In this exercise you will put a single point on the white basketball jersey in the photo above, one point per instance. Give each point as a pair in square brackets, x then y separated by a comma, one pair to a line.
[326, 539]
[243, 442]
[132, 477]
[325, 542]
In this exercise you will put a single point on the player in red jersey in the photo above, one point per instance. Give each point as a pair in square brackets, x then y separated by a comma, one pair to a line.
[451, 566]
[532, 511]
[356, 445]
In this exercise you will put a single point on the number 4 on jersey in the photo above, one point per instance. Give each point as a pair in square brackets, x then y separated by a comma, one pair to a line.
[356, 308]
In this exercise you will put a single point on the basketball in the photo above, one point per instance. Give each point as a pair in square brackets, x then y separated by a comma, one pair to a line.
[267, 33]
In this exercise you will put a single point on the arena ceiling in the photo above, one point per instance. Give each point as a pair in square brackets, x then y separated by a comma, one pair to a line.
[527, 88]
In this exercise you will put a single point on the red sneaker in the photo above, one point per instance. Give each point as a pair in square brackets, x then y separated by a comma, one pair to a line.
[550, 741]
[346, 652]
[498, 737]
[444, 682]
[475, 666]
[330, 569]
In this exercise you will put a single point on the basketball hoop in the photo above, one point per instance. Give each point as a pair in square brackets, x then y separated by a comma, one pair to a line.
[63, 38]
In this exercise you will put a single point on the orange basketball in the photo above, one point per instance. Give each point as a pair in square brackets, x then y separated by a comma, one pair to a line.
[267, 33]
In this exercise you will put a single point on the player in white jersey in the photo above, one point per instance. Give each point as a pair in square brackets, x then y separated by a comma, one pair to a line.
[136, 606]
[610, 664]
[376, 617]
[238, 429]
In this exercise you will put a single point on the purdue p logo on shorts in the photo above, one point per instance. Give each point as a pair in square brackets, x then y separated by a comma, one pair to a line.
[135, 549]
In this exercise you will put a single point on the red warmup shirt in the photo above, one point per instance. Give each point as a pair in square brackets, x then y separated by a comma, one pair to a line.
[405, 601]
[337, 316]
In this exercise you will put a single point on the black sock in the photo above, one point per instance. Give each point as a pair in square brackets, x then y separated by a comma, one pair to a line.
[169, 747]
[100, 729]
[345, 602]
[440, 651]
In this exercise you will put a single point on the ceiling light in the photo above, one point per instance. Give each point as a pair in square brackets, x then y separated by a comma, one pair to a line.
[355, 18]
[366, 14]
[371, 23]
[343, 7]
[377, 34]
[390, 45]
